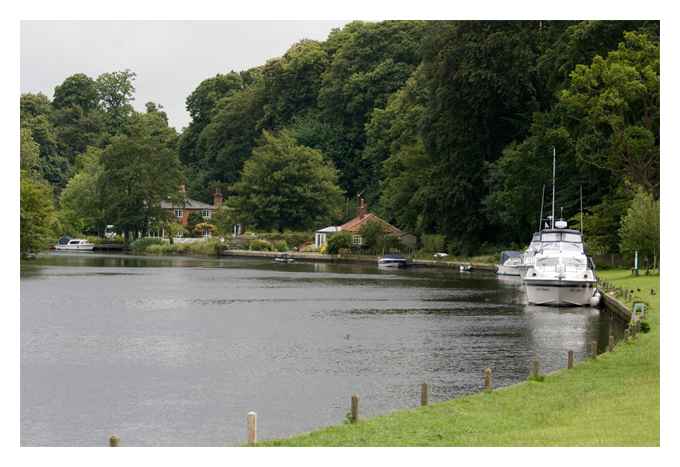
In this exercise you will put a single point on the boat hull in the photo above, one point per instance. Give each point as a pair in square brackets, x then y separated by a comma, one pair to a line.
[560, 293]
[502, 270]
[74, 247]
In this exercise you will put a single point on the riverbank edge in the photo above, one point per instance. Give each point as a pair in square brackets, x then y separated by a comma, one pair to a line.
[364, 259]
[419, 426]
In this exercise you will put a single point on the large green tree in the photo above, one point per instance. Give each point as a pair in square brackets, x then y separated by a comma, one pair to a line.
[37, 219]
[81, 204]
[139, 170]
[116, 92]
[286, 186]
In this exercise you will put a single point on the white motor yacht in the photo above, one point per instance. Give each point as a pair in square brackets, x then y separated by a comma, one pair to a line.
[562, 274]
[75, 244]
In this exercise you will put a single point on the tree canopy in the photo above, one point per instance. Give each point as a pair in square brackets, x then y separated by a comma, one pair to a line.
[285, 185]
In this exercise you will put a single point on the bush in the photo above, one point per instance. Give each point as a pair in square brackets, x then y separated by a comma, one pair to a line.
[143, 243]
[293, 239]
[311, 248]
[433, 243]
[339, 241]
[260, 245]
[280, 245]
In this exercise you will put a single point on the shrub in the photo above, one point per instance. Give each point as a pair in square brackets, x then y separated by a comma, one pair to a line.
[644, 326]
[339, 241]
[143, 243]
[260, 245]
[433, 243]
[311, 248]
[280, 245]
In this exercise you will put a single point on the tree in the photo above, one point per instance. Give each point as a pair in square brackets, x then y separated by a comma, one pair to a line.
[612, 109]
[29, 154]
[194, 220]
[286, 185]
[139, 170]
[640, 228]
[81, 204]
[116, 90]
[224, 219]
[78, 90]
[339, 241]
[227, 141]
[37, 215]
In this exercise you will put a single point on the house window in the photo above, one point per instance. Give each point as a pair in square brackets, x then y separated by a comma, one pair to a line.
[356, 240]
[179, 213]
[205, 213]
[206, 232]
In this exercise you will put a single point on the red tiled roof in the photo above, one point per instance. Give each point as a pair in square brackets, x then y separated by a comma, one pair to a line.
[354, 225]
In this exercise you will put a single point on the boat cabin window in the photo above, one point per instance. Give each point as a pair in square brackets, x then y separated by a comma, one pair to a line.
[550, 237]
[571, 237]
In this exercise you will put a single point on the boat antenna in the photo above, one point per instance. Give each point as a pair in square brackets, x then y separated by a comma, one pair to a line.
[553, 191]
[580, 187]
[540, 219]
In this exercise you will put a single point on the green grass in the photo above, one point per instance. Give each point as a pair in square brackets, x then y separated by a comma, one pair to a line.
[610, 401]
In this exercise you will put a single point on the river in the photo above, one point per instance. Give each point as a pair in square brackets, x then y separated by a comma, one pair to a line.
[176, 351]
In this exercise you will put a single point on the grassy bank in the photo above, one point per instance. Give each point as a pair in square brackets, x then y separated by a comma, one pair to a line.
[610, 401]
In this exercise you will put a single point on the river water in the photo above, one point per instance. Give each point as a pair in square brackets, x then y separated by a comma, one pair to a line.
[176, 351]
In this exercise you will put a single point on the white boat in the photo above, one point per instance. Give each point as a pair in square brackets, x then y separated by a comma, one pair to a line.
[392, 261]
[284, 258]
[510, 264]
[75, 244]
[562, 274]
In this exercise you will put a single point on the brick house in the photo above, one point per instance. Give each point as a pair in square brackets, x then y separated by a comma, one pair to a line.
[181, 211]
[354, 227]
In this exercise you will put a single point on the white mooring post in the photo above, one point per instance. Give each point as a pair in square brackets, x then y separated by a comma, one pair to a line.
[252, 428]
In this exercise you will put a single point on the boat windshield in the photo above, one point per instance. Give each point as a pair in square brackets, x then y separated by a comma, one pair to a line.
[550, 237]
[571, 237]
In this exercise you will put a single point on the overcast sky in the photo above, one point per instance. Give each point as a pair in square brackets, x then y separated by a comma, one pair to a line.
[170, 57]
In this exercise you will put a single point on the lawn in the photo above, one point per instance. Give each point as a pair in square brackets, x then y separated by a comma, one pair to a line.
[610, 401]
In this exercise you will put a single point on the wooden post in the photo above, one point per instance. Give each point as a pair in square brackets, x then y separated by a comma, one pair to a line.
[535, 369]
[626, 334]
[610, 347]
[252, 428]
[355, 408]
[114, 441]
[570, 359]
[488, 380]
[423, 394]
[593, 349]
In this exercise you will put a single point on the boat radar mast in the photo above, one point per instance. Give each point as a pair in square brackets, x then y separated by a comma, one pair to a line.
[553, 190]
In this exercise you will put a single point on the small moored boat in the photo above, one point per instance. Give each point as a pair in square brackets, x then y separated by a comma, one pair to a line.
[284, 258]
[74, 244]
[392, 261]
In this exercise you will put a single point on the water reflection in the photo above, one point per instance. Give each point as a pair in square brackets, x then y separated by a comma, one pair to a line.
[175, 351]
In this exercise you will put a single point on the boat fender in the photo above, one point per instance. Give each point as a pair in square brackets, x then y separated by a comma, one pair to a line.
[595, 299]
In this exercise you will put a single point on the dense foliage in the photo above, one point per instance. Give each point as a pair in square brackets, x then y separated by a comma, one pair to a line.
[445, 127]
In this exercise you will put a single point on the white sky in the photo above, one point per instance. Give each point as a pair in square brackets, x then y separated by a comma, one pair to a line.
[170, 57]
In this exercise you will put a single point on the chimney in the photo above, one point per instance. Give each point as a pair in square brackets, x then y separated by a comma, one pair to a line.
[362, 210]
[217, 198]
[182, 188]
